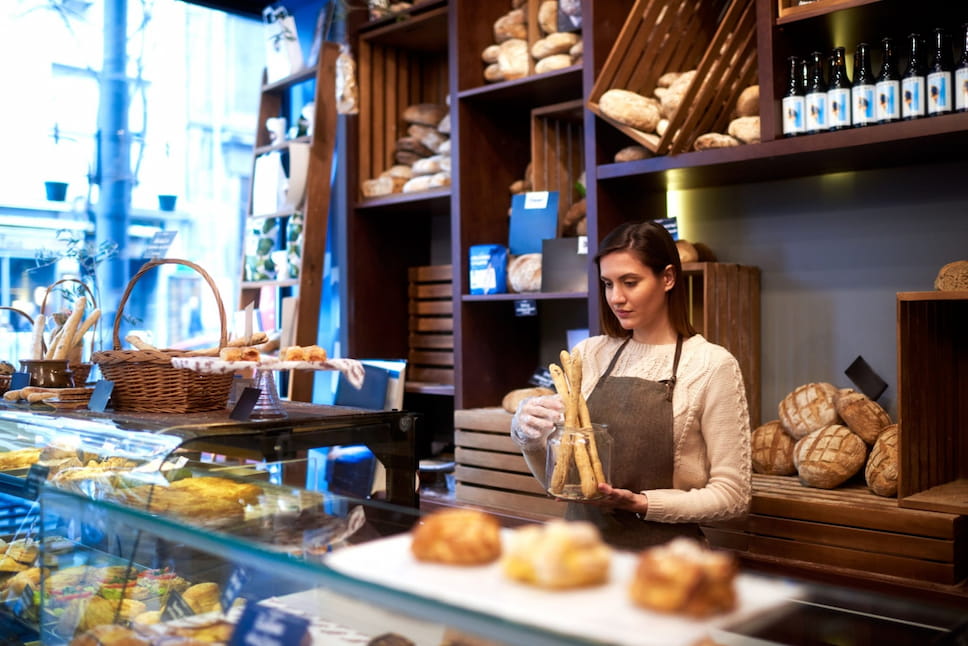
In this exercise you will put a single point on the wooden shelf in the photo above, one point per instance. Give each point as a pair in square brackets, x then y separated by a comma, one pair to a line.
[527, 296]
[284, 145]
[540, 89]
[305, 74]
[422, 28]
[922, 141]
[436, 201]
[788, 14]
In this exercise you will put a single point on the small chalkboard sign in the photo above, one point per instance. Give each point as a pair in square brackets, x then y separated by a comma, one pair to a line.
[264, 626]
[176, 607]
[101, 395]
[525, 307]
[36, 477]
[19, 380]
[245, 404]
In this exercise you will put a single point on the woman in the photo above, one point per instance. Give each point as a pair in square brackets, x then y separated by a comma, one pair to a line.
[674, 403]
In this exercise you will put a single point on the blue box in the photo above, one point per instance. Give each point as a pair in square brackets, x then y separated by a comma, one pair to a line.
[534, 217]
[488, 269]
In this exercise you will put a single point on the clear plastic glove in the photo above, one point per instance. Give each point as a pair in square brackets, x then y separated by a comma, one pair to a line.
[536, 418]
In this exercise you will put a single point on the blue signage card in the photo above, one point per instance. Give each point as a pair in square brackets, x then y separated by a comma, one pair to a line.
[233, 587]
[19, 380]
[263, 626]
[101, 395]
[534, 217]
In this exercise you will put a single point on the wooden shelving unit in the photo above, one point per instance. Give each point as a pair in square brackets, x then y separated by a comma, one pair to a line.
[275, 100]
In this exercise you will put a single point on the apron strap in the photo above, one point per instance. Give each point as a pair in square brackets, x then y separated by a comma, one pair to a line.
[611, 364]
[670, 383]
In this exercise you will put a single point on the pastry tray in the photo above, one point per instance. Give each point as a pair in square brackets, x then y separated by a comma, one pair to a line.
[601, 614]
[352, 368]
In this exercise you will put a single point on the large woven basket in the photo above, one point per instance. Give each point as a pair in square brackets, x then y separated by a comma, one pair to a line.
[146, 382]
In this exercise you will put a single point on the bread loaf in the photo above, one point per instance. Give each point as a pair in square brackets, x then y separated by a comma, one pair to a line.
[953, 276]
[552, 63]
[808, 408]
[428, 114]
[443, 127]
[378, 186]
[548, 16]
[631, 109]
[493, 73]
[515, 397]
[439, 179]
[632, 153]
[746, 129]
[577, 50]
[557, 43]
[881, 470]
[513, 59]
[748, 103]
[863, 416]
[416, 184]
[712, 140]
[413, 145]
[687, 251]
[511, 25]
[427, 135]
[427, 165]
[524, 273]
[772, 449]
[667, 79]
[829, 456]
[489, 55]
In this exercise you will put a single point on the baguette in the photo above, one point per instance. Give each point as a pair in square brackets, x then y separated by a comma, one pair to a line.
[37, 338]
[65, 342]
[85, 326]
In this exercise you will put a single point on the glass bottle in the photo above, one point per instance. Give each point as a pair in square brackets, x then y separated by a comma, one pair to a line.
[888, 86]
[961, 75]
[862, 92]
[939, 75]
[793, 100]
[816, 96]
[838, 92]
[912, 81]
[577, 460]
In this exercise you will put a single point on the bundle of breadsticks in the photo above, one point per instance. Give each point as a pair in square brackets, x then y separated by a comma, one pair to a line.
[577, 446]
[66, 338]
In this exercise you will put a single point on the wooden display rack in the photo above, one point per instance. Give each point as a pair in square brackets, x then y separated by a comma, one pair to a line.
[675, 36]
[430, 359]
[557, 151]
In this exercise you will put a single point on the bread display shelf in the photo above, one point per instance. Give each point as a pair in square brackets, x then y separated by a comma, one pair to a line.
[601, 614]
[790, 11]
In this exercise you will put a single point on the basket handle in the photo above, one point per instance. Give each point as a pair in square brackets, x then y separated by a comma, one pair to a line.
[148, 266]
[20, 312]
[90, 294]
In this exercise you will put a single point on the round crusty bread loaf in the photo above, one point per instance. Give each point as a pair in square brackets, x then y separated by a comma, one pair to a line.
[631, 109]
[687, 251]
[772, 449]
[863, 415]
[515, 397]
[881, 470]
[829, 456]
[748, 103]
[632, 153]
[808, 408]
[953, 276]
[524, 273]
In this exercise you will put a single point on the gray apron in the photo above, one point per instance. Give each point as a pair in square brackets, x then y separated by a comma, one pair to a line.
[639, 416]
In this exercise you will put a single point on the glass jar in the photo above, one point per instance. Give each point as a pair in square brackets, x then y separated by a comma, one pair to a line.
[578, 460]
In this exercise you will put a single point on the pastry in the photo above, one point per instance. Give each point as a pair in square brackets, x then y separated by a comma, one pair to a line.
[457, 537]
[558, 554]
[207, 486]
[772, 450]
[862, 415]
[682, 577]
[109, 635]
[203, 597]
[808, 408]
[881, 470]
[295, 353]
[244, 353]
[19, 458]
[829, 456]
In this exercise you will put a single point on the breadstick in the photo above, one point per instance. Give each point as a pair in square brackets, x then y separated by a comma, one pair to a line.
[54, 340]
[136, 341]
[88, 322]
[561, 385]
[37, 338]
[589, 483]
[593, 454]
[562, 460]
[67, 336]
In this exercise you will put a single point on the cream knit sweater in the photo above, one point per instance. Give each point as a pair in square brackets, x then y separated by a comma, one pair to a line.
[711, 474]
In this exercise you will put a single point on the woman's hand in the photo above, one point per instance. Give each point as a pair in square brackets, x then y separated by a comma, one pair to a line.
[536, 418]
[619, 499]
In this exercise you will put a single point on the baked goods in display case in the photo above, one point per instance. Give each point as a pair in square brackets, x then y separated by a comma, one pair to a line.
[457, 537]
[557, 555]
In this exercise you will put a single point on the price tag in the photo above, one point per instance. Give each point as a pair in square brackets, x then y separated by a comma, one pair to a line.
[36, 477]
[19, 380]
[233, 587]
[176, 607]
[245, 404]
[526, 307]
[536, 200]
[25, 601]
[101, 395]
[262, 626]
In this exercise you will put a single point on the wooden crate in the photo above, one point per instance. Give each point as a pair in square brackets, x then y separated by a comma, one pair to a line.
[491, 471]
[932, 368]
[399, 64]
[662, 36]
[849, 528]
[558, 152]
[430, 359]
[724, 304]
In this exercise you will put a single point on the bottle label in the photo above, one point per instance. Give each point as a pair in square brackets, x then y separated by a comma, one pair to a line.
[912, 97]
[939, 92]
[838, 108]
[815, 115]
[862, 105]
[888, 106]
[793, 108]
[961, 89]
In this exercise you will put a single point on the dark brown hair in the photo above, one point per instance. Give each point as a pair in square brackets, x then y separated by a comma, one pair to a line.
[654, 247]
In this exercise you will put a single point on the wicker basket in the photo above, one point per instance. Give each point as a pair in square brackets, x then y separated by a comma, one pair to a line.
[146, 382]
[80, 369]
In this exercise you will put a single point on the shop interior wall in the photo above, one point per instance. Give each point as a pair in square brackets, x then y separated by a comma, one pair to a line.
[833, 251]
